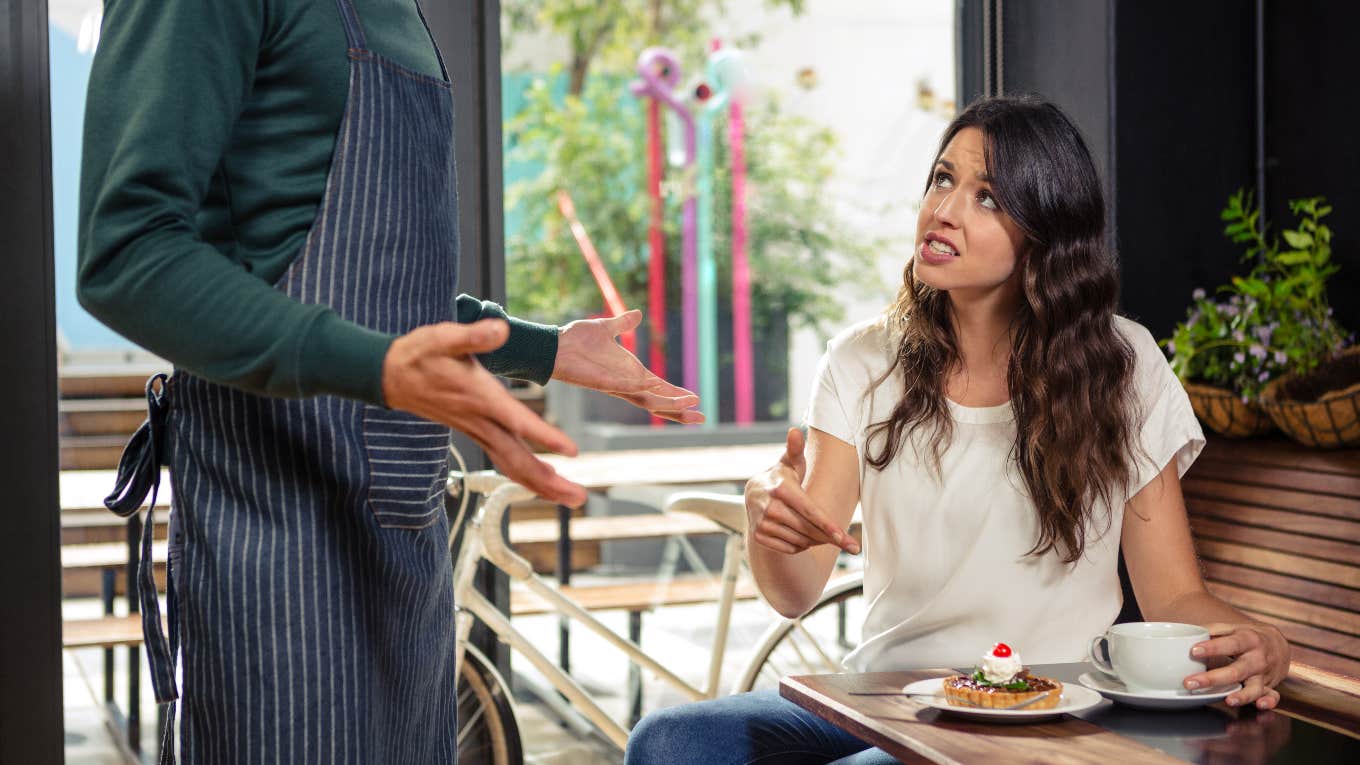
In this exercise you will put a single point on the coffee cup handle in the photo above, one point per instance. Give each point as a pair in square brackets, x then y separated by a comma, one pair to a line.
[1097, 643]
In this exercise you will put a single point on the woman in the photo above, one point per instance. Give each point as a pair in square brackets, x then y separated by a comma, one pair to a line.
[1005, 434]
[268, 201]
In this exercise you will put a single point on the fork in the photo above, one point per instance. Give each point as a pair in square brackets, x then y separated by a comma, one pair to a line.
[1018, 705]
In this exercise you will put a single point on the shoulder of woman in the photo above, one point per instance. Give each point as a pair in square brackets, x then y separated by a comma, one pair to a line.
[867, 339]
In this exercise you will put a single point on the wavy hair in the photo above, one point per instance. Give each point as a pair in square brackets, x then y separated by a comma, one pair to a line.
[1069, 370]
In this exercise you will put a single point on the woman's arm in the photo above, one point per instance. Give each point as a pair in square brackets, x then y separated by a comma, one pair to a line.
[796, 516]
[1165, 573]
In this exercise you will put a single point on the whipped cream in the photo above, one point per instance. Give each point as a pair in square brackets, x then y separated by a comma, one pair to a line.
[1000, 669]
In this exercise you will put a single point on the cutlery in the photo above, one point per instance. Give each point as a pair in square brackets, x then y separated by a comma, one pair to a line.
[1019, 705]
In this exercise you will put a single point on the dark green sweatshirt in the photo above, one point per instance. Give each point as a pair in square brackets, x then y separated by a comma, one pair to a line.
[209, 128]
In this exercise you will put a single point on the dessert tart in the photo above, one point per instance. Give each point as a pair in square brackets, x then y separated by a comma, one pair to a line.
[1002, 681]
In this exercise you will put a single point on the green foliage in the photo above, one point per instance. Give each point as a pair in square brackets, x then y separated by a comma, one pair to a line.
[1273, 321]
[591, 141]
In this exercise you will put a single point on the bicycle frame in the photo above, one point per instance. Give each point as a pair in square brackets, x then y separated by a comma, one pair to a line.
[484, 540]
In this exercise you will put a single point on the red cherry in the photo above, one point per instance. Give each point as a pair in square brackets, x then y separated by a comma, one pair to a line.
[1001, 650]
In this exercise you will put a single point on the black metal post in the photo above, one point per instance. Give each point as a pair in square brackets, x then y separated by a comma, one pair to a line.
[564, 579]
[134, 711]
[30, 549]
[634, 671]
[110, 584]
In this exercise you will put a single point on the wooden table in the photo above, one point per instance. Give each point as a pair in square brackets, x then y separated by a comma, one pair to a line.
[598, 471]
[1318, 722]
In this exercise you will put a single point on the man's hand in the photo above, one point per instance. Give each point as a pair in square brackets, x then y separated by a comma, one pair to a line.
[589, 356]
[781, 516]
[432, 372]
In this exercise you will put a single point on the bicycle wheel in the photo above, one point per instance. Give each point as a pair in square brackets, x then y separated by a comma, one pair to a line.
[488, 733]
[816, 643]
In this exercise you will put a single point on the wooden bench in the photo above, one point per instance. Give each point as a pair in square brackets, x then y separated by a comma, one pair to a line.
[633, 596]
[1277, 527]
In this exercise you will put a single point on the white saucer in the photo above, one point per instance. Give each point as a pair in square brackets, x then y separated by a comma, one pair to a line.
[1074, 699]
[1114, 690]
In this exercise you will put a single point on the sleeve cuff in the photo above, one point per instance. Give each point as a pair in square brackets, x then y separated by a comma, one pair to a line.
[340, 358]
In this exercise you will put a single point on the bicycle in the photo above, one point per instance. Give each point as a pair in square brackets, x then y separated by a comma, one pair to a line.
[488, 727]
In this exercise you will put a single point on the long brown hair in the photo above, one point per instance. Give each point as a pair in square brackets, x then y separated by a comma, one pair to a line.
[1069, 368]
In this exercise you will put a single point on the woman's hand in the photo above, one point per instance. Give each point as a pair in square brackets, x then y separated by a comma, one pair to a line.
[781, 516]
[1255, 655]
[432, 371]
[589, 356]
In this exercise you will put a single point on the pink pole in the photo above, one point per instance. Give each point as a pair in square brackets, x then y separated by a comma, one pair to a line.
[743, 358]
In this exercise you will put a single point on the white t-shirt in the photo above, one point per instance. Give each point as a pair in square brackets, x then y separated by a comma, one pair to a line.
[946, 574]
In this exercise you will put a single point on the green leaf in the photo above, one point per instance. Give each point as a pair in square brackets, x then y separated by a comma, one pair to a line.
[1294, 257]
[1297, 239]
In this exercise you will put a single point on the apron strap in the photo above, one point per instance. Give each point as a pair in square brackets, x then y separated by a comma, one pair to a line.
[139, 474]
[421, 12]
[139, 469]
[354, 31]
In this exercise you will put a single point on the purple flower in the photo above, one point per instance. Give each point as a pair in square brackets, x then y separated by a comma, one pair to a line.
[1281, 357]
[1263, 334]
[1239, 357]
[1258, 351]
[1263, 376]
[1329, 310]
[1198, 294]
[1238, 336]
[1171, 348]
[1230, 310]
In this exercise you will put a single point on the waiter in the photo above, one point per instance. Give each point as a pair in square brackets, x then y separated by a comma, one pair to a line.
[268, 201]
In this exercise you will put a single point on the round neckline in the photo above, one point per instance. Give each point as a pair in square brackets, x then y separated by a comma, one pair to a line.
[980, 415]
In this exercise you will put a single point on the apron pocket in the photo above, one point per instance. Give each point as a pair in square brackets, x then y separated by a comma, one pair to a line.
[408, 465]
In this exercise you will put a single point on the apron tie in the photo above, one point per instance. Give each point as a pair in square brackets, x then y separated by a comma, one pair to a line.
[139, 474]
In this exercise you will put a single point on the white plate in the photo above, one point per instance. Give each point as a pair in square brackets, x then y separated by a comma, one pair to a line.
[1074, 699]
[1114, 690]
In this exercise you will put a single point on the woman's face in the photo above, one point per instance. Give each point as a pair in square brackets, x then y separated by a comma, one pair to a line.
[965, 244]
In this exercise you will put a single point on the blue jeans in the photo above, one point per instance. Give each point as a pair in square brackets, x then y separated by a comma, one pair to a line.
[758, 727]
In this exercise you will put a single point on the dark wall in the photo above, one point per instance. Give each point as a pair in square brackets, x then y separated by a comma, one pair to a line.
[1184, 138]
[1165, 93]
[1312, 134]
[1073, 70]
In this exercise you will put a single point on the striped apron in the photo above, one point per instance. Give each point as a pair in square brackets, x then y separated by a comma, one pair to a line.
[310, 577]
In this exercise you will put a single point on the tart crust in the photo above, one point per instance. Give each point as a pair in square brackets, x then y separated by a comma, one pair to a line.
[964, 691]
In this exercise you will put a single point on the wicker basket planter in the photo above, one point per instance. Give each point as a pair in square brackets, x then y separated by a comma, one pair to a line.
[1225, 413]
[1322, 408]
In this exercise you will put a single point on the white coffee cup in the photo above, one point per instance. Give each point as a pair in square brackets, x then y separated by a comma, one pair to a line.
[1149, 657]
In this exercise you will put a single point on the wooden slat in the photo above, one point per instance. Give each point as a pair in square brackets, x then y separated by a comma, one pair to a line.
[597, 471]
[1279, 477]
[112, 381]
[1324, 549]
[1332, 619]
[611, 528]
[1300, 648]
[102, 633]
[1280, 562]
[96, 417]
[86, 489]
[1282, 584]
[1280, 452]
[104, 555]
[1312, 638]
[1278, 520]
[1233, 493]
[632, 596]
[91, 452]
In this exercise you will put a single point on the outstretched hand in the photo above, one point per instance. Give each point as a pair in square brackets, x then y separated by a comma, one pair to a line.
[589, 356]
[780, 514]
[433, 372]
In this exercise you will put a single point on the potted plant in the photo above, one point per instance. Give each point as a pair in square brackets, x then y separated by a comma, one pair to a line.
[1238, 351]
